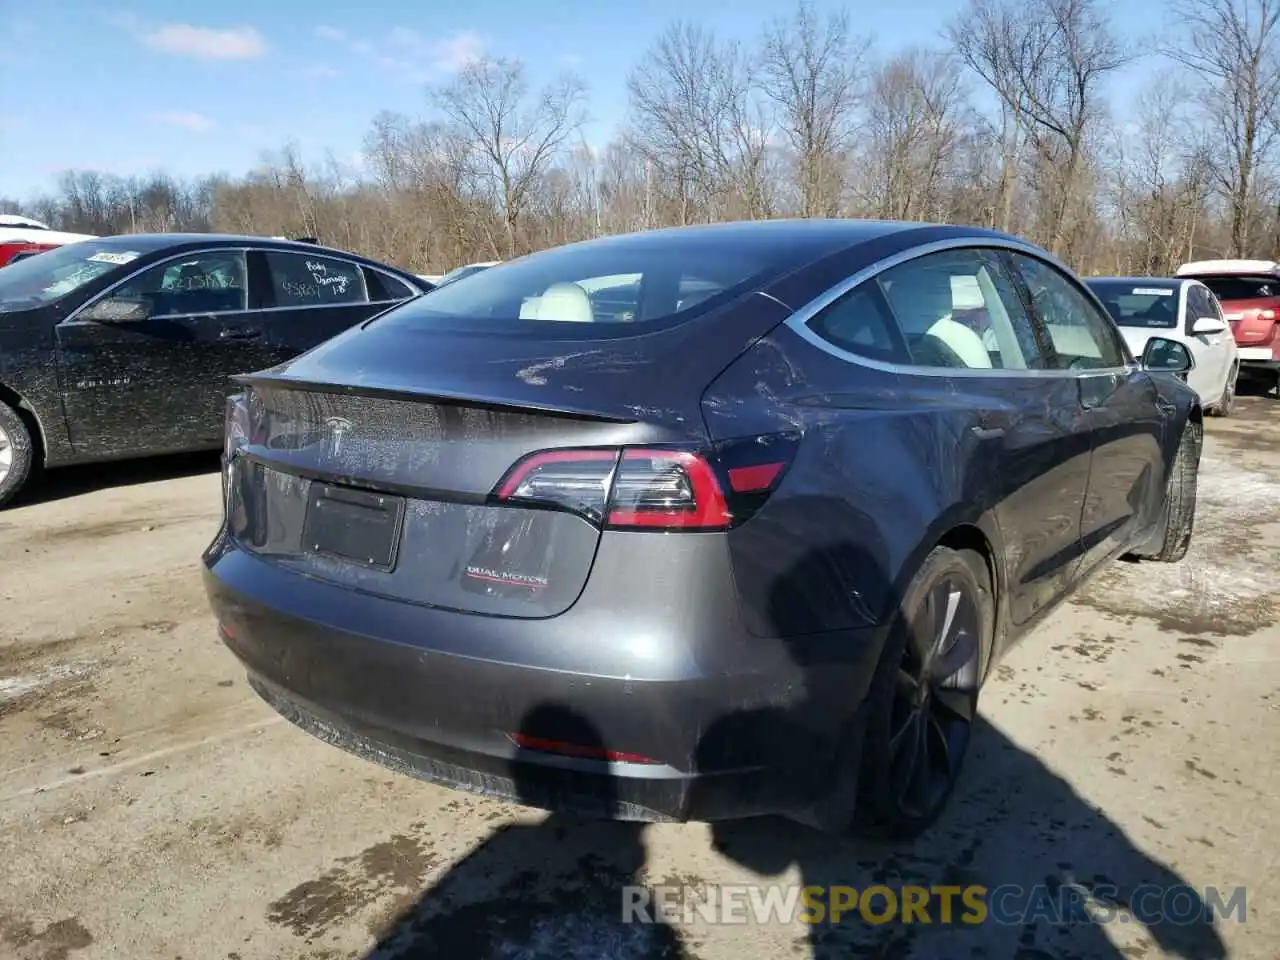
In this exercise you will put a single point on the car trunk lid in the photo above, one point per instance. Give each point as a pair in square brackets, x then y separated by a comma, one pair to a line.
[378, 461]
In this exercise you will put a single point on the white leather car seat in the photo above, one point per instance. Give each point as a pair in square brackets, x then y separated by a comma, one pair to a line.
[923, 304]
[563, 302]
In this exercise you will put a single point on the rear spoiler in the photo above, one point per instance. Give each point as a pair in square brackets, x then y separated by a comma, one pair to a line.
[415, 394]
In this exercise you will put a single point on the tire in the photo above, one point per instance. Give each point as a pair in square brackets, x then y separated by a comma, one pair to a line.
[892, 803]
[1224, 406]
[17, 453]
[1172, 539]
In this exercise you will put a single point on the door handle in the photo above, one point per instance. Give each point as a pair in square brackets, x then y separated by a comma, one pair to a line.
[238, 335]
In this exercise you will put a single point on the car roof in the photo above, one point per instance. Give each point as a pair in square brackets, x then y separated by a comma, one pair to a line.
[1227, 267]
[787, 243]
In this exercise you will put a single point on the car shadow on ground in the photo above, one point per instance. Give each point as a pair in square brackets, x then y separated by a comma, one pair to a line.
[1257, 387]
[65, 482]
[554, 889]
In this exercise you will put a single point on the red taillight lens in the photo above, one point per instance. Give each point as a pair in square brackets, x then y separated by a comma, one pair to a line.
[651, 488]
[670, 489]
[564, 749]
[1267, 314]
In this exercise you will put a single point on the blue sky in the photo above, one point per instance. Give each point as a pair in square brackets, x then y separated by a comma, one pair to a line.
[193, 87]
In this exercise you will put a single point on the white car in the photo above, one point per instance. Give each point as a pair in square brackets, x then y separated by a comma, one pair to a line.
[1177, 309]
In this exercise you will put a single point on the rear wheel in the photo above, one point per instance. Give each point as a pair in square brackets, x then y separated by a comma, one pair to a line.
[1172, 539]
[17, 454]
[924, 698]
[1223, 407]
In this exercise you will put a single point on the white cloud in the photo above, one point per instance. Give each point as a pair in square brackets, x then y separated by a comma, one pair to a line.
[206, 43]
[458, 51]
[409, 54]
[195, 122]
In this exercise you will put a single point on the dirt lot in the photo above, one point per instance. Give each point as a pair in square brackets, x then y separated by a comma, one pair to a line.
[151, 807]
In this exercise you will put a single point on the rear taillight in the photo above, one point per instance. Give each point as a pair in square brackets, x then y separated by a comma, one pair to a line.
[235, 431]
[1267, 314]
[653, 488]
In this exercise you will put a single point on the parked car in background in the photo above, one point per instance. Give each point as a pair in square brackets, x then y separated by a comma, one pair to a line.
[123, 346]
[1182, 310]
[1249, 291]
[21, 237]
[459, 272]
[747, 541]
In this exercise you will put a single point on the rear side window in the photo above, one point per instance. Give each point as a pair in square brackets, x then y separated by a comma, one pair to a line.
[1235, 287]
[859, 323]
[617, 283]
[306, 280]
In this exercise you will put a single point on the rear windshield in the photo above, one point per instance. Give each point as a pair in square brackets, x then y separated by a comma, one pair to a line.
[1143, 305]
[1237, 287]
[618, 284]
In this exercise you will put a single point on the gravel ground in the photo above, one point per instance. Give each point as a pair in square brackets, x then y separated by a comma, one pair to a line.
[152, 807]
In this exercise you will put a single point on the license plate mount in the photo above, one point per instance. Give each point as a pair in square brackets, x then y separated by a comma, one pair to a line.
[358, 526]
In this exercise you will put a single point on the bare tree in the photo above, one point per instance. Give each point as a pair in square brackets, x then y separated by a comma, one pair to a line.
[690, 99]
[513, 141]
[1234, 49]
[813, 69]
[912, 133]
[1047, 61]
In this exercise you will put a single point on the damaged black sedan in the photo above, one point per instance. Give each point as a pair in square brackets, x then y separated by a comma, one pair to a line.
[694, 524]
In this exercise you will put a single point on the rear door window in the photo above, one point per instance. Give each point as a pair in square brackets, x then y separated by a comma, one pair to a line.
[307, 280]
[959, 308]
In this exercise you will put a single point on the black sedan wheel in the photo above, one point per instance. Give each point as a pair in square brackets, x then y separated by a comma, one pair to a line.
[16, 454]
[924, 699]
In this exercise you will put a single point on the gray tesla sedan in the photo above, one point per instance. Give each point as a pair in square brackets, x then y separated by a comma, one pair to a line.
[698, 523]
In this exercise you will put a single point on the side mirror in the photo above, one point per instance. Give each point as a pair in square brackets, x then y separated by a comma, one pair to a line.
[1207, 325]
[118, 310]
[1162, 355]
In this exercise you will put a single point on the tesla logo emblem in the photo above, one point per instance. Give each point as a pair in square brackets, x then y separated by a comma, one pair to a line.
[338, 428]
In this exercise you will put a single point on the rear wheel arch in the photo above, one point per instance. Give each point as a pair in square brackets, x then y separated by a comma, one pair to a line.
[27, 413]
[969, 536]
[978, 535]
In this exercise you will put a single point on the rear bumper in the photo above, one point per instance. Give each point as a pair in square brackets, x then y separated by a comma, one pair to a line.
[368, 675]
[1251, 354]
[1259, 365]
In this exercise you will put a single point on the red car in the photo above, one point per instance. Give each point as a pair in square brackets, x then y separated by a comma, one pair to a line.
[21, 237]
[1249, 291]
